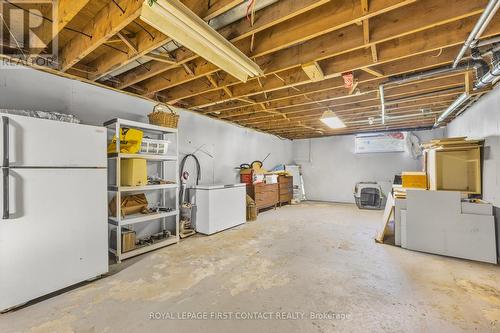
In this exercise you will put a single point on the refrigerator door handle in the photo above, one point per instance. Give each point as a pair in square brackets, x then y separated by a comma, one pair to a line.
[6, 213]
[5, 167]
[5, 133]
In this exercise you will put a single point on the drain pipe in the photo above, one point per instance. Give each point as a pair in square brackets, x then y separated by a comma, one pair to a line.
[478, 29]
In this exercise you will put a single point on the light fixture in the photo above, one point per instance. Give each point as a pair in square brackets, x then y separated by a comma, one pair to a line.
[330, 119]
[178, 22]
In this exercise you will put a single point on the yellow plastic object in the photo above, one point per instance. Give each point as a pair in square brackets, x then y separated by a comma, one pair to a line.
[130, 141]
[414, 180]
[133, 172]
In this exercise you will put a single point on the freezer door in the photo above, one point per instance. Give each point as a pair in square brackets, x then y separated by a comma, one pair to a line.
[36, 142]
[56, 235]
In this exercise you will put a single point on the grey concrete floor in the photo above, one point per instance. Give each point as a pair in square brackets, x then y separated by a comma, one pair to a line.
[299, 263]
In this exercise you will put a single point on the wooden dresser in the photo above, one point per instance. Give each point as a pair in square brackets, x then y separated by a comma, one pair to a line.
[285, 184]
[264, 195]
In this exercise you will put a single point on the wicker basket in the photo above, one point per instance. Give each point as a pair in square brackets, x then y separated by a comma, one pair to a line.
[165, 119]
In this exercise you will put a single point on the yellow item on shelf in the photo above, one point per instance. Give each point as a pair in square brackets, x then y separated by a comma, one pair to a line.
[134, 172]
[414, 180]
[130, 141]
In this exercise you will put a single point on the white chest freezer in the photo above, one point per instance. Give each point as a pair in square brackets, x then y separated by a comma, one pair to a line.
[218, 207]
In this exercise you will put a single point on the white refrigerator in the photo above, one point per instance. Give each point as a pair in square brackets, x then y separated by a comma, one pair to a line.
[53, 231]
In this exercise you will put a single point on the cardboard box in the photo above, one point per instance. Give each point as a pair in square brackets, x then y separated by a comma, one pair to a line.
[414, 180]
[128, 239]
[131, 204]
[134, 172]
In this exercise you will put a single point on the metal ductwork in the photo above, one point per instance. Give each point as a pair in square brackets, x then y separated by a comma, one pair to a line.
[483, 71]
[480, 65]
[478, 29]
[493, 74]
[485, 80]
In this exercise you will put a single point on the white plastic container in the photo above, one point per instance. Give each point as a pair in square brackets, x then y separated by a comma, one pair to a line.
[152, 146]
[271, 179]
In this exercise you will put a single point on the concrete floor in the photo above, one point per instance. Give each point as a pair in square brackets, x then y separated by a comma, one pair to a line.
[299, 261]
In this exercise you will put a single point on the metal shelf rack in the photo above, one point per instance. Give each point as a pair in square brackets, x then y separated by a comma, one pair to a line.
[114, 126]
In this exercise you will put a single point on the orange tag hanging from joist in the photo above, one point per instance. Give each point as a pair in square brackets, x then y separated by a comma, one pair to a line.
[348, 79]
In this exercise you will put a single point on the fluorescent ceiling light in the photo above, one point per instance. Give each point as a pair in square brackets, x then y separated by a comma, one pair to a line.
[331, 120]
[175, 20]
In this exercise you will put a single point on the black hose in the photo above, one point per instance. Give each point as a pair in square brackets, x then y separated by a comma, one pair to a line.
[198, 173]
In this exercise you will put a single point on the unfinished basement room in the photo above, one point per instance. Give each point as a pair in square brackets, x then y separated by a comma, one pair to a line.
[281, 166]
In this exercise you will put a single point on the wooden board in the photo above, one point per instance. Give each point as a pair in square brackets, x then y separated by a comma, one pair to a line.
[388, 212]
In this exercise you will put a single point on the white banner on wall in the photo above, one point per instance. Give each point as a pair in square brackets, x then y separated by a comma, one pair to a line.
[380, 143]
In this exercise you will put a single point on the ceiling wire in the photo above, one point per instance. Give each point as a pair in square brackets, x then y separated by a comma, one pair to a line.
[47, 19]
[14, 37]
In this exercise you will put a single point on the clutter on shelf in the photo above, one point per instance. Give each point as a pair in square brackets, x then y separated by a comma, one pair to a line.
[134, 150]
[134, 172]
[153, 180]
[154, 146]
[130, 204]
[50, 115]
[130, 141]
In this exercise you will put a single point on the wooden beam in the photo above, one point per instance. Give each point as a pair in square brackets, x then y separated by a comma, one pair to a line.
[372, 71]
[148, 41]
[164, 58]
[373, 48]
[469, 82]
[353, 88]
[366, 32]
[129, 42]
[316, 22]
[212, 80]
[364, 6]
[313, 71]
[265, 18]
[338, 96]
[66, 11]
[321, 48]
[322, 20]
[433, 39]
[107, 23]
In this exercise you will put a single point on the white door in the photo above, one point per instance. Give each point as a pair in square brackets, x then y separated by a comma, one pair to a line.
[56, 234]
[36, 142]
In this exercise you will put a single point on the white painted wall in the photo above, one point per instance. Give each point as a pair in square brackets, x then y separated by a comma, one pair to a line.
[331, 168]
[231, 145]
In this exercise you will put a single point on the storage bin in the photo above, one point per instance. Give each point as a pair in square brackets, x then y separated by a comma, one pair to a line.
[414, 180]
[246, 176]
[152, 146]
[134, 172]
[161, 118]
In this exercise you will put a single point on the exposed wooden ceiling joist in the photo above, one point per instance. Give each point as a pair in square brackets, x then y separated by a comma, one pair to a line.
[373, 39]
